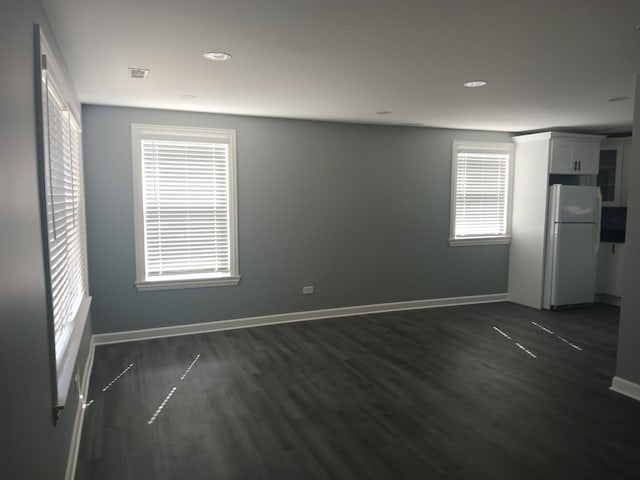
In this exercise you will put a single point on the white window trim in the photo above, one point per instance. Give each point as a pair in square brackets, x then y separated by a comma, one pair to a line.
[140, 131]
[470, 241]
[64, 367]
[505, 147]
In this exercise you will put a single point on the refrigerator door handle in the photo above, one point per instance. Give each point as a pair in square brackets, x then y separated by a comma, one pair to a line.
[598, 223]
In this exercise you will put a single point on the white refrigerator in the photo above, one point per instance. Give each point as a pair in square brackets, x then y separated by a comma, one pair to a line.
[573, 238]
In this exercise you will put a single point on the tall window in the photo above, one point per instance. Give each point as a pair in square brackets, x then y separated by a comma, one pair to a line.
[185, 207]
[62, 185]
[481, 193]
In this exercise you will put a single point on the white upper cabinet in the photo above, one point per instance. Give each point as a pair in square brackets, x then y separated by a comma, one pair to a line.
[575, 156]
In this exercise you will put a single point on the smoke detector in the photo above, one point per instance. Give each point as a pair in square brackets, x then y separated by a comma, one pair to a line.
[138, 72]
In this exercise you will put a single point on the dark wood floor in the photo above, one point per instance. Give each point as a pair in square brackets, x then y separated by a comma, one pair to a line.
[437, 393]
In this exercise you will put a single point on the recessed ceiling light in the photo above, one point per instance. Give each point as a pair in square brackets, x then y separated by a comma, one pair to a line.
[618, 99]
[475, 83]
[217, 56]
[188, 97]
[138, 72]
[383, 112]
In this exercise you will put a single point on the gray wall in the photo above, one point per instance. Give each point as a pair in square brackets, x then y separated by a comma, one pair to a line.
[628, 366]
[32, 447]
[359, 211]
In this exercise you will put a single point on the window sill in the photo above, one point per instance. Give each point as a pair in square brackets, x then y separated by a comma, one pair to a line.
[67, 366]
[149, 285]
[467, 242]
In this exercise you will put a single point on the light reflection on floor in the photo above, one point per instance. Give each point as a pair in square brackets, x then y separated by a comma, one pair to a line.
[173, 390]
[519, 345]
[573, 345]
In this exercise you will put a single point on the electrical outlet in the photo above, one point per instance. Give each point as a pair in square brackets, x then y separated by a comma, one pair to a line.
[307, 290]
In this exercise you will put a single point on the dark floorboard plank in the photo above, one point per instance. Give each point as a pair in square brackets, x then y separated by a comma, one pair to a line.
[434, 393]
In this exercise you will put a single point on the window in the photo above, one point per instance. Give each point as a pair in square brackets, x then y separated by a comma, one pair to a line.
[481, 193]
[63, 219]
[185, 207]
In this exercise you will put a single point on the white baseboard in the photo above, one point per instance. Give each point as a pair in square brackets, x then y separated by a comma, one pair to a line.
[625, 387]
[133, 335]
[72, 460]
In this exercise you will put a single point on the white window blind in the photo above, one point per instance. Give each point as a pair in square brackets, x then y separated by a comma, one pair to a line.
[65, 231]
[186, 207]
[480, 200]
[186, 185]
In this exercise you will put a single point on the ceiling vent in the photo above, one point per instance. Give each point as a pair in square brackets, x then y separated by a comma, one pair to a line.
[138, 72]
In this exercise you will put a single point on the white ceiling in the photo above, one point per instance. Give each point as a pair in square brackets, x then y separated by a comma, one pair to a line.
[549, 63]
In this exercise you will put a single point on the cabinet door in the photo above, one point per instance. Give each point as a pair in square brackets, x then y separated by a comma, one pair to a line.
[587, 154]
[610, 269]
[562, 157]
[572, 157]
[607, 276]
[612, 178]
[609, 174]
